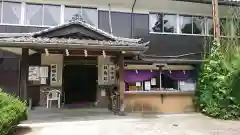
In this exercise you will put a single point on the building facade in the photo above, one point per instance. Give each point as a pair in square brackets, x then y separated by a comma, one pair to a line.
[176, 31]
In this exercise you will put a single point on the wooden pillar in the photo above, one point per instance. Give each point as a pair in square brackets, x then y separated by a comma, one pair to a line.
[121, 83]
[24, 74]
[216, 25]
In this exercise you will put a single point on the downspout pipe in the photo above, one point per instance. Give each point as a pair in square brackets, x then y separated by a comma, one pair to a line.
[132, 21]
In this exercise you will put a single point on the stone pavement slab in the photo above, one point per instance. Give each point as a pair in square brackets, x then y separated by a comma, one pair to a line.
[186, 124]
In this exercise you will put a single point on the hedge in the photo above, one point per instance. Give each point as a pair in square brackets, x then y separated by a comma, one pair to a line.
[12, 112]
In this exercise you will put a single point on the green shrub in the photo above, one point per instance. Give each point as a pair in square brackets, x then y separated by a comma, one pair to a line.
[218, 85]
[12, 112]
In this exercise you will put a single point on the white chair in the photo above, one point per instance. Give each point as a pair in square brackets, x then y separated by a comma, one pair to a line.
[53, 95]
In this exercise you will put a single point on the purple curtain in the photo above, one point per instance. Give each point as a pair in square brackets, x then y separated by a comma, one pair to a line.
[139, 76]
[178, 75]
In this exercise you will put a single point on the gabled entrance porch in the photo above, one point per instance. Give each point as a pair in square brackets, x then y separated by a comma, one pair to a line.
[76, 39]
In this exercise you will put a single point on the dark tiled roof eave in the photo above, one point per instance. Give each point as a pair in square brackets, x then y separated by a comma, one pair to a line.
[73, 43]
[171, 60]
[12, 35]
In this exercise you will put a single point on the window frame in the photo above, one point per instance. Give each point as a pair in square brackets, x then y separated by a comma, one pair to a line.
[42, 23]
[81, 8]
[2, 13]
[60, 15]
[162, 13]
[178, 24]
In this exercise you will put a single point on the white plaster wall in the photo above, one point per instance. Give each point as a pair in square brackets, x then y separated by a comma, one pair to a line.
[54, 59]
[142, 6]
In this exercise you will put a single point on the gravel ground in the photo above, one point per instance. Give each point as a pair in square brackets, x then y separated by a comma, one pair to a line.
[192, 124]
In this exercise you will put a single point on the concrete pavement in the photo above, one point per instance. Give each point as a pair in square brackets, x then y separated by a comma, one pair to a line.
[186, 124]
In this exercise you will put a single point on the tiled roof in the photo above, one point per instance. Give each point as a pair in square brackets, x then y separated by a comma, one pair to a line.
[6, 35]
[61, 43]
[71, 41]
[80, 23]
[37, 40]
[88, 26]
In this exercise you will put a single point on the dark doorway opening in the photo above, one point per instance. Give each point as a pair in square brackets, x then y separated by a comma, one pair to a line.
[80, 85]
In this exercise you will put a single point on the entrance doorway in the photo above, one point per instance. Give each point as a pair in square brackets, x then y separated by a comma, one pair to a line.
[80, 85]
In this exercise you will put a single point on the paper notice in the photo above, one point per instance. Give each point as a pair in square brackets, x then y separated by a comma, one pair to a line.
[147, 85]
[103, 93]
[153, 81]
[182, 83]
[138, 83]
[43, 81]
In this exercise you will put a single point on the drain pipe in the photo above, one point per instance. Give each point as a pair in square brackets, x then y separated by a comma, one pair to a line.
[132, 22]
[110, 18]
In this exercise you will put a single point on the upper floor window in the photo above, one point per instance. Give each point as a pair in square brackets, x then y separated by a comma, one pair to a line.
[90, 15]
[227, 27]
[192, 24]
[51, 15]
[11, 12]
[163, 23]
[69, 12]
[173, 23]
[37, 14]
[209, 26]
[236, 26]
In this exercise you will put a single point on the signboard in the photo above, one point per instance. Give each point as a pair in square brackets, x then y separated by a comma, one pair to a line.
[38, 75]
[33, 74]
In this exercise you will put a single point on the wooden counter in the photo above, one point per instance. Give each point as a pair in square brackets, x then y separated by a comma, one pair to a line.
[159, 101]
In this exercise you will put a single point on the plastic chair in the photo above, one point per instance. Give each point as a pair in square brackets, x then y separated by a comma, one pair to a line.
[53, 95]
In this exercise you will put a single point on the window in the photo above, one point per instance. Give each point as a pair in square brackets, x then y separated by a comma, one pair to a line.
[163, 23]
[51, 15]
[186, 24]
[34, 14]
[236, 26]
[11, 12]
[178, 80]
[192, 24]
[173, 23]
[199, 25]
[37, 14]
[223, 24]
[69, 12]
[187, 85]
[226, 27]
[90, 15]
[209, 25]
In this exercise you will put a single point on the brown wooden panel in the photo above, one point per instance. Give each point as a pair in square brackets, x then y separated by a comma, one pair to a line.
[174, 103]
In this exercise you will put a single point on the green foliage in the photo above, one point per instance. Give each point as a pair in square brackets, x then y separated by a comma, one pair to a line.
[218, 85]
[12, 111]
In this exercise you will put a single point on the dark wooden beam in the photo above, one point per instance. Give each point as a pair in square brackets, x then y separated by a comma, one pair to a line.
[78, 52]
[89, 47]
[121, 83]
[24, 74]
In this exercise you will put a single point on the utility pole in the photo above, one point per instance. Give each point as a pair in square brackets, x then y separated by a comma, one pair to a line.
[216, 26]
